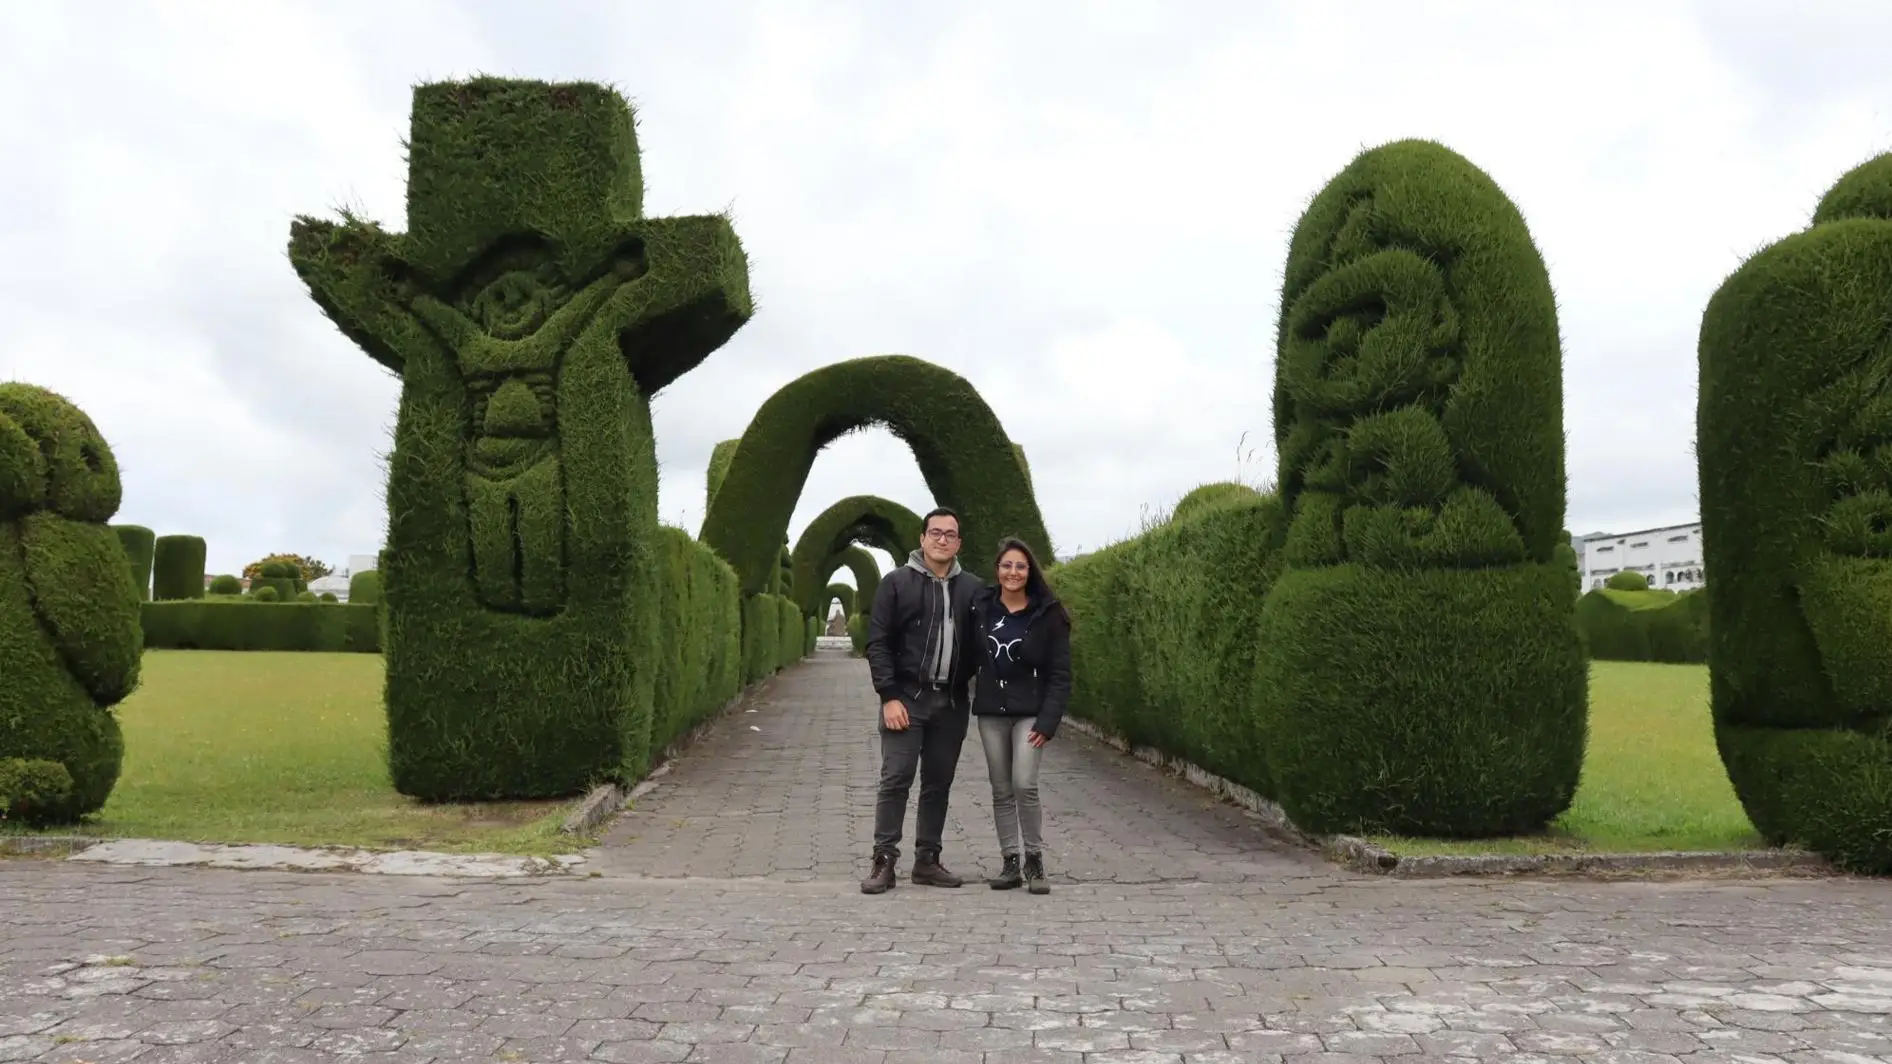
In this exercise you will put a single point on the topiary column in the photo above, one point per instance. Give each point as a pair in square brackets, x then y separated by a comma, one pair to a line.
[1794, 438]
[532, 311]
[1421, 671]
[70, 638]
[178, 567]
[139, 544]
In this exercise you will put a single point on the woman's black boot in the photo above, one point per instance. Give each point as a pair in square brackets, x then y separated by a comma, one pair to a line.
[1008, 877]
[1035, 874]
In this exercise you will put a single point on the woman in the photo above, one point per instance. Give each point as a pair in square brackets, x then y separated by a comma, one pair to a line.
[1023, 685]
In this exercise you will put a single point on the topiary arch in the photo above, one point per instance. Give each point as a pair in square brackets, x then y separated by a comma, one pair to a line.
[1421, 672]
[837, 593]
[718, 468]
[867, 519]
[855, 559]
[1794, 423]
[962, 450]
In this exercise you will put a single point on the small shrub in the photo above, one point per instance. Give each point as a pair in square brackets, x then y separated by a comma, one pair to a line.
[266, 593]
[365, 587]
[306, 596]
[226, 584]
[330, 597]
[1627, 581]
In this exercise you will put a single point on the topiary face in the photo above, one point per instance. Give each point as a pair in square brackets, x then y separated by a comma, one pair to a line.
[76, 476]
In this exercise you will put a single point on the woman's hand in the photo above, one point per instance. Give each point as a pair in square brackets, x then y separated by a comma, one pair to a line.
[1036, 739]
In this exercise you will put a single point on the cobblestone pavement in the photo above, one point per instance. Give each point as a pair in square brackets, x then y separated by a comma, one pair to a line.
[1168, 962]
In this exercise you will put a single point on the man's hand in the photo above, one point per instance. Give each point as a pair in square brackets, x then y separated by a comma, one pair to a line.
[894, 714]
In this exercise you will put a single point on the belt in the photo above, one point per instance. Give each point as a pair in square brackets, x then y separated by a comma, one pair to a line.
[930, 686]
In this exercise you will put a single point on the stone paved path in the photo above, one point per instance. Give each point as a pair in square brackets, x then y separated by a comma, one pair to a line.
[1146, 954]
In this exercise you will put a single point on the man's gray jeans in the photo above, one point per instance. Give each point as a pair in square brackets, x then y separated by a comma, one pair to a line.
[1012, 763]
[929, 745]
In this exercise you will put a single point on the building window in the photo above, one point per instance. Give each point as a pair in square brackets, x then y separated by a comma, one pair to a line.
[1644, 543]
[1678, 539]
[1604, 550]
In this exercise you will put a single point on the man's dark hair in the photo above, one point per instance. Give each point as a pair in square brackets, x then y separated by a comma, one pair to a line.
[939, 511]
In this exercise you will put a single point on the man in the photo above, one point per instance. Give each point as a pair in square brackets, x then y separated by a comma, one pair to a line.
[918, 634]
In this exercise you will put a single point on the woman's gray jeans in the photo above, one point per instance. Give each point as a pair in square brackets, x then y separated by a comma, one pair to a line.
[1012, 763]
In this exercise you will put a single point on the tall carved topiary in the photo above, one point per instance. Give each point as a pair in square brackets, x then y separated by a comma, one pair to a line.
[1421, 671]
[962, 450]
[1794, 431]
[532, 312]
[140, 546]
[70, 639]
[867, 519]
[177, 567]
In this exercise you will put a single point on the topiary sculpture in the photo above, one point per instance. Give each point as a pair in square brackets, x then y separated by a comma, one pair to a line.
[867, 519]
[70, 638]
[1627, 581]
[177, 570]
[532, 311]
[1794, 430]
[139, 544]
[1421, 670]
[226, 584]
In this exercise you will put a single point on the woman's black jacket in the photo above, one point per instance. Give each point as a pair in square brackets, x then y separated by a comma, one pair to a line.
[1038, 638]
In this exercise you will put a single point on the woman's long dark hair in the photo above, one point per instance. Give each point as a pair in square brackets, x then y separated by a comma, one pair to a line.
[1036, 586]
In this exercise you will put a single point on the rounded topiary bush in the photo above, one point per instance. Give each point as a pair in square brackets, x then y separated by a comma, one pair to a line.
[364, 588]
[1627, 581]
[226, 584]
[1794, 431]
[1207, 497]
[70, 636]
[329, 596]
[1421, 671]
[266, 594]
[306, 596]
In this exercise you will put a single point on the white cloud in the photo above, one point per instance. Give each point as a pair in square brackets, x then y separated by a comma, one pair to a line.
[1082, 211]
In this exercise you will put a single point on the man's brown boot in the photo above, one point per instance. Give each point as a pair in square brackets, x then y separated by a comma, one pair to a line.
[880, 880]
[928, 872]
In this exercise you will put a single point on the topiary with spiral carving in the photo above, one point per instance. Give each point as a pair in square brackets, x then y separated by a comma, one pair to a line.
[1421, 671]
[70, 637]
[532, 311]
[1794, 423]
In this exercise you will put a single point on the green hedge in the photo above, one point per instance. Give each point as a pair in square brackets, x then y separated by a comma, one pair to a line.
[69, 638]
[140, 545]
[857, 632]
[177, 567]
[792, 633]
[1794, 444]
[718, 469]
[961, 448]
[226, 584]
[841, 593]
[867, 519]
[1644, 626]
[1163, 644]
[761, 637]
[530, 291]
[218, 623]
[1209, 496]
[701, 667]
[1423, 674]
[1627, 581]
[866, 572]
[364, 588]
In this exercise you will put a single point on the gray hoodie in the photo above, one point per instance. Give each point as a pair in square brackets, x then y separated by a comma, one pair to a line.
[941, 664]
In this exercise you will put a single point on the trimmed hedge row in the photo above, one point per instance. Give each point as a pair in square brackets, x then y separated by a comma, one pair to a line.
[702, 667]
[69, 635]
[177, 567]
[140, 544]
[1794, 429]
[244, 623]
[962, 450]
[867, 519]
[530, 291]
[1644, 626]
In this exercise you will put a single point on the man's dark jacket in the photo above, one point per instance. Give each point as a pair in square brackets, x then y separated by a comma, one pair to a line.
[905, 625]
[1038, 638]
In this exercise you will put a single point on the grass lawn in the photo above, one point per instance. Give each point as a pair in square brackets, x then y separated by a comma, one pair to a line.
[1651, 777]
[256, 746]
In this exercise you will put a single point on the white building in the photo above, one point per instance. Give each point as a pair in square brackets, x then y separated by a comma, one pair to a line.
[1669, 557]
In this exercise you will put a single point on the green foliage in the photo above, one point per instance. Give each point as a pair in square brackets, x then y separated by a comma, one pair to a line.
[365, 587]
[293, 566]
[791, 633]
[857, 632]
[280, 588]
[139, 544]
[701, 667]
[1644, 625]
[226, 584]
[69, 639]
[841, 593]
[330, 597]
[1627, 581]
[1423, 673]
[1794, 430]
[718, 469]
[814, 636]
[1163, 641]
[306, 596]
[1209, 496]
[252, 623]
[867, 519]
[266, 593]
[961, 448]
[532, 311]
[866, 572]
[178, 567]
[761, 637]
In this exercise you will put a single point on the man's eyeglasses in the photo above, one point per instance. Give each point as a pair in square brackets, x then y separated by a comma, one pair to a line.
[941, 535]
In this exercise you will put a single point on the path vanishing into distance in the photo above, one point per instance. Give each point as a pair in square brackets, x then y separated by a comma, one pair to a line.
[725, 923]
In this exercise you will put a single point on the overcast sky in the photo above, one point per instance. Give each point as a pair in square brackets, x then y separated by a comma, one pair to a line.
[1081, 207]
